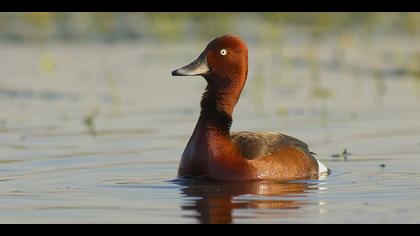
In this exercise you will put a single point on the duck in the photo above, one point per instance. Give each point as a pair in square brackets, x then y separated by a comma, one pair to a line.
[213, 151]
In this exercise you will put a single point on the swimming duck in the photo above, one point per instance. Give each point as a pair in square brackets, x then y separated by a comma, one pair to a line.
[216, 153]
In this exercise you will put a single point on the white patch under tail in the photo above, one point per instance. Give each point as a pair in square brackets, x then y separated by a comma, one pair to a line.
[322, 169]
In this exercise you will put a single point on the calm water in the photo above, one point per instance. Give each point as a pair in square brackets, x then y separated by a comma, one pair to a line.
[93, 133]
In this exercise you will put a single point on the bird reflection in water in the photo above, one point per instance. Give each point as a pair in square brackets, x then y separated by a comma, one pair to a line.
[215, 202]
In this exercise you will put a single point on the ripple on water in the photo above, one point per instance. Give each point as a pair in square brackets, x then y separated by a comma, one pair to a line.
[53, 170]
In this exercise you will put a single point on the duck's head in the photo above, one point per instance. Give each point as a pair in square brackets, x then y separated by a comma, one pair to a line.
[223, 61]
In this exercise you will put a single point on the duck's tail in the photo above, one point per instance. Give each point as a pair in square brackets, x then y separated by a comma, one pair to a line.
[322, 169]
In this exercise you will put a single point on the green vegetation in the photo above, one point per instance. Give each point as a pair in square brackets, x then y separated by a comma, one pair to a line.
[111, 27]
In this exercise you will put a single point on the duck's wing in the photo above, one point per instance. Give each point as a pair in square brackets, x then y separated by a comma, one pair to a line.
[254, 145]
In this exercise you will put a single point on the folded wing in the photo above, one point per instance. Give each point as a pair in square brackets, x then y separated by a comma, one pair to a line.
[254, 145]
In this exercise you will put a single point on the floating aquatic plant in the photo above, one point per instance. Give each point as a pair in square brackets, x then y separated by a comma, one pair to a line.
[345, 154]
[90, 122]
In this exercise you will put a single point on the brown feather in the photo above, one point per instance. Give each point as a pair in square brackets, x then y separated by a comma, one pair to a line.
[254, 145]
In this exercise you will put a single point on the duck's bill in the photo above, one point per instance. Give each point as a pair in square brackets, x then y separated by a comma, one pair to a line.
[197, 67]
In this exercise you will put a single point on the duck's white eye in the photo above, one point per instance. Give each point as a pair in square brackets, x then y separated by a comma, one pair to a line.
[223, 52]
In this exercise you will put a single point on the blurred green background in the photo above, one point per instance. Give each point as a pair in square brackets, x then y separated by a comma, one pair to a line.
[112, 27]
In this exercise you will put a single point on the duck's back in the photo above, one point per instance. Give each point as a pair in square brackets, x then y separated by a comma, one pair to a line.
[254, 145]
[270, 146]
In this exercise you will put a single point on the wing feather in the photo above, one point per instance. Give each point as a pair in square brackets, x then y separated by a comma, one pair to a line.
[254, 145]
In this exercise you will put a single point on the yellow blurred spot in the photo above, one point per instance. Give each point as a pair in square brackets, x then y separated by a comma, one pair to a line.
[345, 40]
[47, 64]
[322, 93]
[282, 111]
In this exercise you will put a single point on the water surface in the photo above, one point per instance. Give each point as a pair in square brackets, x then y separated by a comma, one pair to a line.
[93, 133]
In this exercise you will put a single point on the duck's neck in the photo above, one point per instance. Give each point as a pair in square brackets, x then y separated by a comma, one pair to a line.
[214, 116]
[217, 106]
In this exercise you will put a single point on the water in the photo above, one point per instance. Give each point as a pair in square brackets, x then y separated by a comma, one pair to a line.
[93, 133]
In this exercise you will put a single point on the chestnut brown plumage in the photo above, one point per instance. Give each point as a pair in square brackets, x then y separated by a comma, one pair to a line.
[214, 152]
